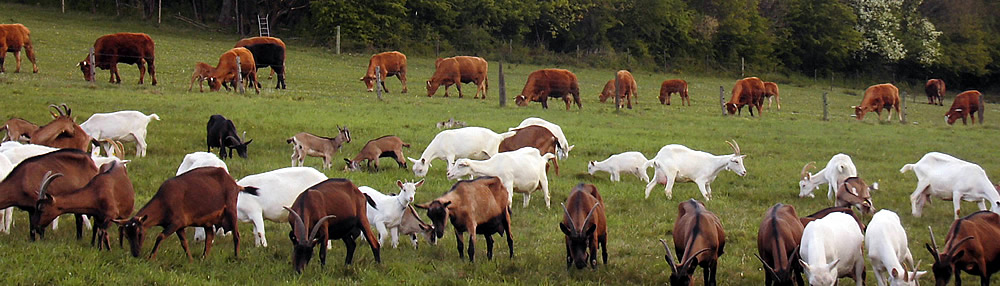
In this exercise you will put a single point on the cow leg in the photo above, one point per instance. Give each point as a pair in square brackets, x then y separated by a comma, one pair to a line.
[567, 101]
[965, 123]
[383, 85]
[3, 54]
[142, 70]
[256, 84]
[30, 51]
[458, 86]
[629, 97]
[152, 70]
[402, 78]
[17, 59]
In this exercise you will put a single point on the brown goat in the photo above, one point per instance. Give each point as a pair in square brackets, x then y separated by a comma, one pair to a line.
[341, 203]
[385, 146]
[62, 132]
[17, 129]
[20, 188]
[533, 136]
[777, 245]
[173, 208]
[202, 72]
[585, 227]
[823, 212]
[476, 206]
[306, 144]
[108, 196]
[969, 247]
[855, 192]
[699, 241]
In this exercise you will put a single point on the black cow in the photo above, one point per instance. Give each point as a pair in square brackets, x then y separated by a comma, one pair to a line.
[221, 133]
[270, 55]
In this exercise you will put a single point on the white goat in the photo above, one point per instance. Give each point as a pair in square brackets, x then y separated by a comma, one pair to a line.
[831, 249]
[888, 249]
[629, 162]
[953, 179]
[275, 190]
[389, 215]
[200, 159]
[564, 146]
[522, 170]
[837, 170]
[6, 215]
[679, 163]
[125, 126]
[20, 152]
[468, 142]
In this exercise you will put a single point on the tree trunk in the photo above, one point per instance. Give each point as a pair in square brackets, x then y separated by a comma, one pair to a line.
[226, 14]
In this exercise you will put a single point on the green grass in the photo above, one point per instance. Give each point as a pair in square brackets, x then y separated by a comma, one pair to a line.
[324, 92]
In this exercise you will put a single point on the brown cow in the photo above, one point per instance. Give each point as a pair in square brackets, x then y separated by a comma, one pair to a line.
[458, 70]
[545, 83]
[391, 64]
[14, 37]
[678, 86]
[877, 97]
[747, 91]
[608, 91]
[771, 90]
[267, 52]
[226, 71]
[202, 72]
[965, 104]
[128, 48]
[935, 91]
[626, 89]
[627, 86]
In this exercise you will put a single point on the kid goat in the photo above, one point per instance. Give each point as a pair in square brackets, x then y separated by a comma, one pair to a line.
[522, 170]
[306, 144]
[388, 217]
[677, 162]
[629, 162]
[385, 146]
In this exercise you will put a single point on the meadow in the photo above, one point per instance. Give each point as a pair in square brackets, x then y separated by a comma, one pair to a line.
[324, 92]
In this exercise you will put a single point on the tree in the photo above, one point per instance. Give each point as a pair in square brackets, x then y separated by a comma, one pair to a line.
[821, 36]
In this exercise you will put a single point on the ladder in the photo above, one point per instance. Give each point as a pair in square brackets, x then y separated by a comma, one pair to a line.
[265, 31]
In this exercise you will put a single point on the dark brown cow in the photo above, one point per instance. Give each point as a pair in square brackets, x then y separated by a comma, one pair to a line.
[391, 64]
[747, 91]
[777, 243]
[128, 48]
[533, 136]
[456, 71]
[969, 247]
[226, 71]
[935, 89]
[877, 97]
[771, 90]
[965, 104]
[14, 37]
[545, 83]
[678, 86]
[267, 52]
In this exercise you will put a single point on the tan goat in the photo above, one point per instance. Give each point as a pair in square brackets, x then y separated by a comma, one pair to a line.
[385, 146]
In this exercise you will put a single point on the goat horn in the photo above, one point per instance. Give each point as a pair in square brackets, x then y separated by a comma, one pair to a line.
[572, 224]
[960, 242]
[53, 106]
[244, 137]
[590, 213]
[736, 147]
[915, 270]
[300, 227]
[45, 183]
[67, 109]
[933, 242]
[805, 170]
[670, 257]
[316, 227]
[766, 266]
[691, 258]
[120, 150]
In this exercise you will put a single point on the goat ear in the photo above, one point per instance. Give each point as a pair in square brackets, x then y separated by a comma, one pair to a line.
[446, 204]
[418, 184]
[421, 206]
[399, 183]
[564, 229]
[142, 218]
[412, 160]
[590, 228]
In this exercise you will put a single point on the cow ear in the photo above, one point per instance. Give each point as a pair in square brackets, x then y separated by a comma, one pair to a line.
[564, 229]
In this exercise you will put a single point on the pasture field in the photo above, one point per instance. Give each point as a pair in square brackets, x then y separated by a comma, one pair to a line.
[324, 92]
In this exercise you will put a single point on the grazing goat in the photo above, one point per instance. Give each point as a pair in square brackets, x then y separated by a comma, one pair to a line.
[831, 249]
[522, 170]
[61, 132]
[563, 147]
[950, 178]
[108, 197]
[6, 215]
[17, 129]
[221, 133]
[202, 72]
[699, 240]
[306, 144]
[969, 247]
[385, 146]
[888, 249]
[450, 123]
[777, 245]
[837, 170]
[198, 160]
[388, 217]
[124, 126]
[17, 152]
[584, 231]
[824, 212]
[677, 162]
[341, 203]
[468, 142]
[854, 192]
[173, 209]
[19, 188]
[476, 206]
[533, 136]
[629, 162]
[413, 225]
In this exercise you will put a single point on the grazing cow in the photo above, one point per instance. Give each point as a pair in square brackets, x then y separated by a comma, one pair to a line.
[678, 86]
[533, 136]
[969, 247]
[935, 91]
[699, 240]
[585, 227]
[227, 71]
[202, 72]
[221, 133]
[777, 245]
[128, 48]
[545, 83]
[625, 91]
[965, 104]
[771, 92]
[61, 132]
[341, 203]
[391, 64]
[747, 91]
[877, 97]
[477, 206]
[459, 70]
[608, 91]
[267, 52]
[14, 37]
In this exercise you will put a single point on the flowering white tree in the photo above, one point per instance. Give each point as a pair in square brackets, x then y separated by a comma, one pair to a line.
[881, 24]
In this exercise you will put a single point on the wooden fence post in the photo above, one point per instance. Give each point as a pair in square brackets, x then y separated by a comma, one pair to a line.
[902, 109]
[338, 39]
[982, 107]
[378, 81]
[826, 105]
[239, 77]
[618, 99]
[722, 100]
[93, 67]
[503, 88]
[743, 66]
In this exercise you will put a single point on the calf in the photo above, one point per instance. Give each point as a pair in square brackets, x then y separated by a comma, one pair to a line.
[629, 162]
[522, 170]
[699, 240]
[839, 168]
[388, 217]
[342, 205]
[477, 206]
[19, 188]
[771, 93]
[626, 88]
[385, 146]
[306, 144]
[17, 129]
[878, 97]
[459, 70]
[468, 142]
[969, 247]
[128, 48]
[584, 231]
[108, 197]
[202, 72]
[831, 249]
[935, 90]
[675, 162]
[267, 52]
[747, 91]
[950, 178]
[854, 192]
[227, 70]
[533, 136]
[678, 86]
[221, 133]
[608, 91]
[777, 245]
[125, 126]
[888, 249]
[14, 37]
[61, 132]
[545, 83]
[390, 64]
[965, 104]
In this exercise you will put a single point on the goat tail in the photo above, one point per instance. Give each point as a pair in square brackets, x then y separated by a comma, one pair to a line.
[154, 116]
[507, 134]
[648, 164]
[370, 201]
[250, 190]
[905, 168]
[290, 140]
[407, 145]
[548, 156]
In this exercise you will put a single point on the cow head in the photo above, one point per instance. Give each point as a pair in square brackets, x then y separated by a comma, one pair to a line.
[806, 186]
[438, 213]
[944, 263]
[821, 274]
[953, 115]
[681, 271]
[214, 84]
[369, 82]
[855, 192]
[860, 111]
[521, 100]
[303, 245]
[432, 87]
[578, 240]
[87, 68]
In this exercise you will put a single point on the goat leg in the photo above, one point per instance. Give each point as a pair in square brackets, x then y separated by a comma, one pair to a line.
[182, 236]
[79, 226]
[350, 245]
[472, 244]
[209, 238]
[458, 241]
[156, 245]
[489, 247]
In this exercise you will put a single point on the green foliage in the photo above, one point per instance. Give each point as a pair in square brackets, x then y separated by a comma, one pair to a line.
[377, 24]
[821, 36]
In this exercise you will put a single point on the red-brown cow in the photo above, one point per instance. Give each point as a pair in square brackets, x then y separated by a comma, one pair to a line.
[545, 83]
[678, 86]
[877, 97]
[456, 71]
[14, 37]
[965, 104]
[391, 64]
[226, 71]
[128, 48]
[747, 91]
[627, 88]
[267, 52]
[771, 90]
[935, 91]
[608, 91]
